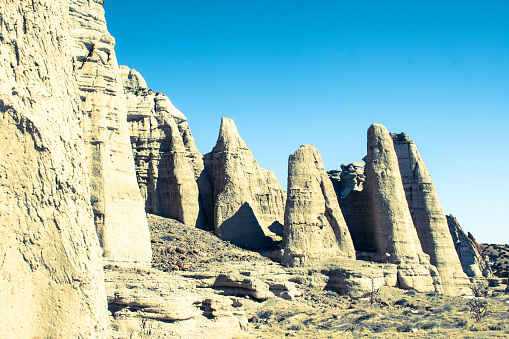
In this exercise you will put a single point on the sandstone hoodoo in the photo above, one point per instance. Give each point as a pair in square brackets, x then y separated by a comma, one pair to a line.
[51, 278]
[396, 239]
[469, 253]
[116, 201]
[167, 161]
[428, 216]
[314, 227]
[248, 200]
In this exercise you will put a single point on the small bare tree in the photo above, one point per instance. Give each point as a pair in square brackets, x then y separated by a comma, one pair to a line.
[478, 308]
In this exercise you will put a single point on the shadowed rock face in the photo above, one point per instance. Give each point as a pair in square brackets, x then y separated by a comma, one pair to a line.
[168, 164]
[353, 200]
[428, 216]
[469, 254]
[117, 204]
[314, 228]
[246, 197]
[51, 278]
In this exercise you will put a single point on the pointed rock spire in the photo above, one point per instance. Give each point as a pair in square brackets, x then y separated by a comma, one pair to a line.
[314, 228]
[428, 216]
[248, 201]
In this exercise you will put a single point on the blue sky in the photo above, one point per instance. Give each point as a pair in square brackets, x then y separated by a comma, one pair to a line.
[321, 72]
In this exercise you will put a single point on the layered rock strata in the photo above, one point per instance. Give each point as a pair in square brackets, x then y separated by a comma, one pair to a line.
[469, 253]
[168, 164]
[119, 215]
[349, 184]
[51, 278]
[428, 216]
[314, 227]
[248, 200]
[395, 235]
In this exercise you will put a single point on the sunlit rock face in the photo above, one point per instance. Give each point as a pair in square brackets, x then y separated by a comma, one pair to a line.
[248, 202]
[168, 164]
[428, 216]
[396, 238]
[51, 280]
[119, 213]
[314, 227]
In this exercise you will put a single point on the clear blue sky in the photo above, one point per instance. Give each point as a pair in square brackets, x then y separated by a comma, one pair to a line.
[321, 72]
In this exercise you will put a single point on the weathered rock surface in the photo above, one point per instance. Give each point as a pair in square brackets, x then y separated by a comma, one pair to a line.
[468, 250]
[428, 217]
[396, 237]
[118, 208]
[248, 200]
[353, 199]
[51, 280]
[314, 228]
[395, 234]
[168, 164]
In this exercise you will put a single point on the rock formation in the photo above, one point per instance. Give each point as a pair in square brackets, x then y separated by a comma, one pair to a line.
[395, 235]
[314, 228]
[428, 216]
[469, 254]
[349, 184]
[119, 215]
[168, 164]
[51, 278]
[248, 200]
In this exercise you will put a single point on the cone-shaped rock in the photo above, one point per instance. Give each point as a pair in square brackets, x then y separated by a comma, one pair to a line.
[428, 217]
[167, 161]
[469, 253]
[248, 200]
[314, 228]
[51, 279]
[119, 213]
[395, 234]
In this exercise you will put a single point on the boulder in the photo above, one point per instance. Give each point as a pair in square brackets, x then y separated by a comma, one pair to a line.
[119, 214]
[51, 278]
[314, 227]
[428, 217]
[248, 200]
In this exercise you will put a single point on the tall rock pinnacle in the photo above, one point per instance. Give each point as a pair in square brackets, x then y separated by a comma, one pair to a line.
[314, 228]
[248, 200]
[428, 217]
[395, 234]
[119, 215]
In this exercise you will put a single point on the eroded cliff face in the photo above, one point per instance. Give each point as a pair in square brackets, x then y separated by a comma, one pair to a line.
[50, 268]
[168, 164]
[248, 200]
[119, 213]
[314, 227]
[428, 216]
[468, 250]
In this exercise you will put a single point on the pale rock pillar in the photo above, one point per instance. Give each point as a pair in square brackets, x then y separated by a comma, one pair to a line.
[428, 217]
[314, 227]
[51, 278]
[395, 235]
[119, 213]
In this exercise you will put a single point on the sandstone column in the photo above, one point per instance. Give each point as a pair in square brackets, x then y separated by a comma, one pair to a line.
[428, 217]
[116, 200]
[314, 228]
[396, 237]
[51, 279]
[248, 200]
